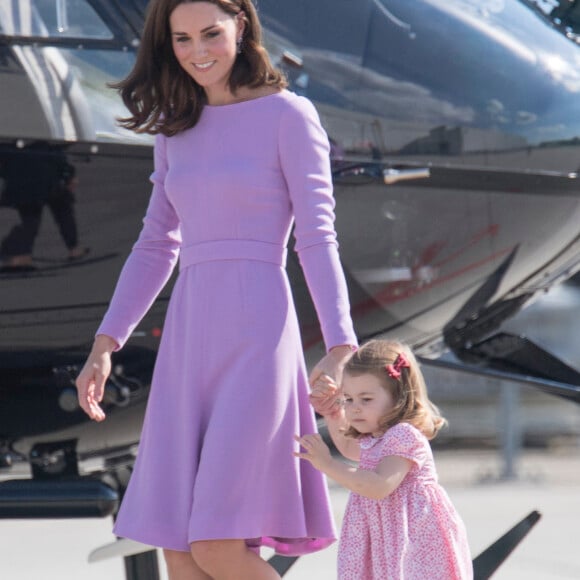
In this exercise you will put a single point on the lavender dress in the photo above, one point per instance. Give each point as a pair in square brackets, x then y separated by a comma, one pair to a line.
[230, 387]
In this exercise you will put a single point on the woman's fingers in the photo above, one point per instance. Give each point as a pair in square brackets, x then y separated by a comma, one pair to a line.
[331, 364]
[90, 386]
[324, 385]
[90, 404]
[324, 406]
[325, 379]
[325, 396]
[321, 373]
[100, 378]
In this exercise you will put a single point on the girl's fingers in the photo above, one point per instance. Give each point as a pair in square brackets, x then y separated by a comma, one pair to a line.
[301, 455]
[298, 438]
[304, 440]
[308, 440]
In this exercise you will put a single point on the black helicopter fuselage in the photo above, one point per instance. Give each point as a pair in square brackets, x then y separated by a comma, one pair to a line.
[455, 131]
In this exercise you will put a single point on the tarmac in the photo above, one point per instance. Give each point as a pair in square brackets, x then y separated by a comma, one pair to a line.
[489, 502]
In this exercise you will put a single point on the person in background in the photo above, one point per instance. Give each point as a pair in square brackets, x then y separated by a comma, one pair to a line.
[36, 176]
[399, 522]
[238, 159]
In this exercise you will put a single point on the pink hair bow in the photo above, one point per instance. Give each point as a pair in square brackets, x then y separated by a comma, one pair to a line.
[394, 370]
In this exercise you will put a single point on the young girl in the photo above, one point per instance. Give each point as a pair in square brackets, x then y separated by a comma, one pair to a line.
[399, 522]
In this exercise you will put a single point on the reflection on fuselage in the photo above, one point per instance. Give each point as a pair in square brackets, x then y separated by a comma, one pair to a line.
[417, 91]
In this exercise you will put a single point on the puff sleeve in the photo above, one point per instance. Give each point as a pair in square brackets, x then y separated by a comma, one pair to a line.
[406, 441]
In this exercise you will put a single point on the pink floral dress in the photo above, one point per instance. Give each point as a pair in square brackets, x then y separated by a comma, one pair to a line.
[413, 534]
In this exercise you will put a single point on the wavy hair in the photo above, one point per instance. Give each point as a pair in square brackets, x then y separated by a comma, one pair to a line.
[409, 391]
[161, 96]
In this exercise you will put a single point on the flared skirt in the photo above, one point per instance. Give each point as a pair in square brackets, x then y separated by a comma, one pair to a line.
[229, 391]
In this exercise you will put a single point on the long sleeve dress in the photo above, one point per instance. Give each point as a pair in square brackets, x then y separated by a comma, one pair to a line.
[415, 533]
[230, 389]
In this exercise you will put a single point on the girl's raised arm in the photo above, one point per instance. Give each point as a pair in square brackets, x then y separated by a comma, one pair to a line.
[376, 484]
[337, 426]
[326, 401]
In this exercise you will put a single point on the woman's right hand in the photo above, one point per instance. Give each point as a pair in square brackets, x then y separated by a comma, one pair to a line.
[325, 396]
[91, 380]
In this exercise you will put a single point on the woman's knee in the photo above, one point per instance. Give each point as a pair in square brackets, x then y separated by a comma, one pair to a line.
[211, 555]
[177, 561]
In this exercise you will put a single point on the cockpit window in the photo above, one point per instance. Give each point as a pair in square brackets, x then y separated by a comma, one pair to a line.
[51, 19]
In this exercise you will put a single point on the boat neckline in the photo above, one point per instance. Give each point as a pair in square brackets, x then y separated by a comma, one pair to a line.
[247, 101]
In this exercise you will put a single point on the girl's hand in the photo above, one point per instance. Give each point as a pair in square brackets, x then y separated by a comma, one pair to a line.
[315, 450]
[91, 380]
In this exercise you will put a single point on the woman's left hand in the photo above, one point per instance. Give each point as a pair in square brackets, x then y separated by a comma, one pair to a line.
[332, 364]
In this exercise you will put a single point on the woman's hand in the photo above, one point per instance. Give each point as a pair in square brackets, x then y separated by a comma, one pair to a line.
[331, 364]
[325, 397]
[91, 380]
[315, 450]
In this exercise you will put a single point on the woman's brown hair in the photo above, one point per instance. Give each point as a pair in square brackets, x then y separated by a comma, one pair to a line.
[409, 391]
[161, 96]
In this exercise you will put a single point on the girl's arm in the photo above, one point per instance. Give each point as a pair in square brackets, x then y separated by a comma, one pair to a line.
[326, 401]
[376, 484]
[337, 426]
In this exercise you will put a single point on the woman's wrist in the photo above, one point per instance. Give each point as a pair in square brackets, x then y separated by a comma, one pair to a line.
[104, 343]
[342, 350]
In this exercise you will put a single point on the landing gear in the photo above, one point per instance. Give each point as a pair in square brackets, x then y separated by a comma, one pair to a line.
[144, 566]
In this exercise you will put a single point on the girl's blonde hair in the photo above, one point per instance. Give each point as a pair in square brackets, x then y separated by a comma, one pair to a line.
[409, 391]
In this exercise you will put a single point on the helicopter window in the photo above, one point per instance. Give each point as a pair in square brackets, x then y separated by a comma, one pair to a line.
[51, 19]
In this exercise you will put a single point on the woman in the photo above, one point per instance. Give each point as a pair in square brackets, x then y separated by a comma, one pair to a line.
[237, 159]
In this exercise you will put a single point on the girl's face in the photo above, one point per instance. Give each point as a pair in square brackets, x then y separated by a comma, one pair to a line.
[204, 43]
[366, 402]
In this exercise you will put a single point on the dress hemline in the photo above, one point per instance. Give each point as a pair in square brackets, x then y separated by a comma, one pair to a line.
[298, 546]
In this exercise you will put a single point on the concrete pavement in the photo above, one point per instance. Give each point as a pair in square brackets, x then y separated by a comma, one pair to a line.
[548, 481]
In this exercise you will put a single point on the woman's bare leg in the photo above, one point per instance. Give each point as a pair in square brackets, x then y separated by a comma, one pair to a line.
[181, 566]
[231, 560]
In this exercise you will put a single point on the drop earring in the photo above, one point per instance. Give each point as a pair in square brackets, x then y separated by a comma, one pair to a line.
[239, 45]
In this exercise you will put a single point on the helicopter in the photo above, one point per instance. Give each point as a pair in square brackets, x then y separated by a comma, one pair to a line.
[455, 137]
